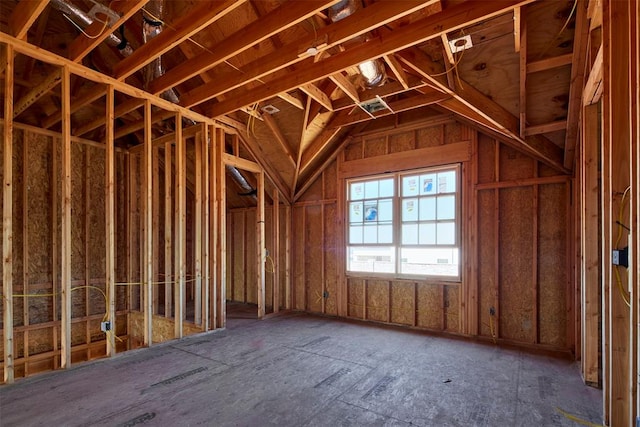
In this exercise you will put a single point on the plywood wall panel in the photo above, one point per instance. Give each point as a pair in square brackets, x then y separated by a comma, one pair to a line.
[39, 233]
[330, 178]
[516, 252]
[378, 300]
[404, 141]
[78, 238]
[402, 302]
[96, 215]
[330, 260]
[353, 151]
[281, 261]
[429, 306]
[514, 164]
[552, 267]
[298, 248]
[355, 298]
[18, 223]
[486, 159]
[430, 137]
[375, 146]
[486, 258]
[451, 308]
[453, 132]
[313, 258]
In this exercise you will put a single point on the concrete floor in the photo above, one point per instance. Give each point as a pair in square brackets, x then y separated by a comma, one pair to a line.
[301, 370]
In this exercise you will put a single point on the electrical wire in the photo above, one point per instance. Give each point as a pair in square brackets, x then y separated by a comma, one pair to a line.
[625, 296]
[575, 419]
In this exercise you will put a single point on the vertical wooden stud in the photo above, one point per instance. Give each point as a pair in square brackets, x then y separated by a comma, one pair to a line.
[275, 250]
[148, 227]
[221, 256]
[206, 229]
[157, 238]
[213, 228]
[25, 249]
[7, 217]
[260, 240]
[110, 222]
[65, 275]
[181, 219]
[287, 257]
[169, 282]
[523, 70]
[198, 230]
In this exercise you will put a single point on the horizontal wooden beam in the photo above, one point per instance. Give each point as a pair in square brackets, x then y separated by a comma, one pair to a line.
[287, 15]
[97, 77]
[549, 63]
[546, 128]
[240, 163]
[199, 17]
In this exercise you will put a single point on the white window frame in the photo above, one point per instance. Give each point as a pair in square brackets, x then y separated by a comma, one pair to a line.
[396, 243]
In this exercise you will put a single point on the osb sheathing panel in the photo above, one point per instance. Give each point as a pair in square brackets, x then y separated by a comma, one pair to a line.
[486, 159]
[353, 151]
[516, 269]
[404, 141]
[514, 164]
[18, 223]
[376, 146]
[402, 300]
[96, 216]
[268, 267]
[453, 132]
[429, 306]
[486, 258]
[251, 254]
[378, 300]
[431, 136]
[314, 192]
[552, 270]
[237, 238]
[451, 308]
[330, 177]
[78, 238]
[313, 258]
[298, 264]
[330, 261]
[355, 297]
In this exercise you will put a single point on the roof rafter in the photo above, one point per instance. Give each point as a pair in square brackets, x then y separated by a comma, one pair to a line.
[285, 16]
[425, 29]
[203, 15]
[24, 15]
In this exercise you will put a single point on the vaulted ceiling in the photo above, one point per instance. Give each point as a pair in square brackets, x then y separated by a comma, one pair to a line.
[289, 75]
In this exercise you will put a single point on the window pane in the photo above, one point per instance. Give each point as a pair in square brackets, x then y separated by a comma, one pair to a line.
[410, 234]
[370, 234]
[385, 210]
[427, 234]
[410, 186]
[410, 210]
[355, 234]
[386, 188]
[428, 184]
[385, 234]
[372, 259]
[357, 191]
[446, 207]
[447, 182]
[355, 212]
[371, 189]
[427, 208]
[429, 261]
[446, 232]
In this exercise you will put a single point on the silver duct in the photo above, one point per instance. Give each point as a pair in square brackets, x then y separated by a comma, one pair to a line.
[83, 20]
[372, 71]
[151, 28]
[242, 182]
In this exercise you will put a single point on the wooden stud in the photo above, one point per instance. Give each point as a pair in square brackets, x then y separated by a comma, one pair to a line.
[398, 71]
[65, 244]
[155, 229]
[594, 87]
[275, 249]
[260, 242]
[86, 196]
[7, 217]
[534, 264]
[206, 280]
[346, 86]
[24, 15]
[287, 256]
[221, 257]
[148, 227]
[549, 63]
[110, 218]
[213, 226]
[517, 18]
[168, 229]
[181, 219]
[25, 248]
[198, 229]
[545, 128]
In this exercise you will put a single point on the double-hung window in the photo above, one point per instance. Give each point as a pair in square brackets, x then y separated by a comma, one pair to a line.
[406, 224]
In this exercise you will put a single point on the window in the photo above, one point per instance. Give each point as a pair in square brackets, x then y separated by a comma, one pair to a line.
[406, 224]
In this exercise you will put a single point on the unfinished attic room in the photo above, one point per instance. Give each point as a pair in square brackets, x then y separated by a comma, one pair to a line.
[320, 212]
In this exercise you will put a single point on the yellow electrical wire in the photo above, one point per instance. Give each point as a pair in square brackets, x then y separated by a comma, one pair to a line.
[576, 419]
[625, 296]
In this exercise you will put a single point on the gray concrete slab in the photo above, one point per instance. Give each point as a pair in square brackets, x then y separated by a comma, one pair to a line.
[302, 370]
